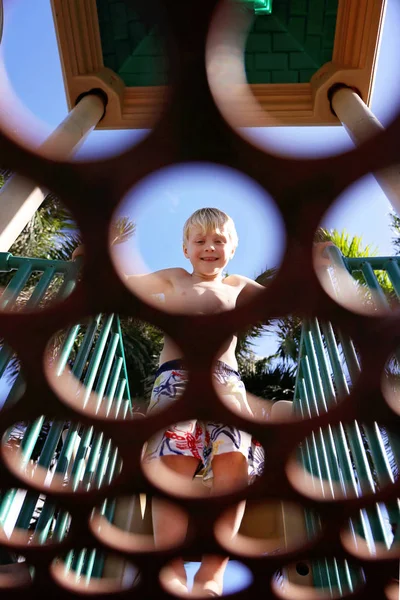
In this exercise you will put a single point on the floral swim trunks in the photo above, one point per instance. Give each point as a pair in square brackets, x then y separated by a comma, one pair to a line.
[200, 439]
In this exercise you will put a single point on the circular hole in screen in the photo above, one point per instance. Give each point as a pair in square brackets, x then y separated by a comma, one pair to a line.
[345, 461]
[15, 573]
[372, 534]
[127, 523]
[194, 458]
[290, 369]
[90, 571]
[30, 519]
[184, 574]
[106, 367]
[60, 456]
[156, 211]
[269, 528]
[318, 579]
[34, 101]
[36, 271]
[256, 59]
[358, 273]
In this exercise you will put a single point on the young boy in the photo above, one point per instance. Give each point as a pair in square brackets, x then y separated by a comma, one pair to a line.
[227, 454]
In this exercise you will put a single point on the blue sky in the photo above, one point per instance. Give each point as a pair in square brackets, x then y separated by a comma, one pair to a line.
[31, 62]
[32, 68]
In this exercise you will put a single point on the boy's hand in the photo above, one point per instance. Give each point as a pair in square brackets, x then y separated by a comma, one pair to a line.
[79, 251]
[321, 261]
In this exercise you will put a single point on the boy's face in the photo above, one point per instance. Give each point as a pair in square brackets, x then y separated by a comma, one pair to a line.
[209, 251]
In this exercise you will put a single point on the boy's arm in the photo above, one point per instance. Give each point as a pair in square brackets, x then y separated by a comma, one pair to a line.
[159, 282]
[250, 288]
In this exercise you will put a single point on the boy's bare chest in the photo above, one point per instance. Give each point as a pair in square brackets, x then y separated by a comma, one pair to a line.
[203, 298]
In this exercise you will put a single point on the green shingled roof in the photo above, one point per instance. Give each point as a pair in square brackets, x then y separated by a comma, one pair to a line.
[287, 46]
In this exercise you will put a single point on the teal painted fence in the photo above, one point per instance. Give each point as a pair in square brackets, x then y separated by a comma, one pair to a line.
[82, 457]
[348, 459]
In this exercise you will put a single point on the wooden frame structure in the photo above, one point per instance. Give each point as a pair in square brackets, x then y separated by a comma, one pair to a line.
[358, 28]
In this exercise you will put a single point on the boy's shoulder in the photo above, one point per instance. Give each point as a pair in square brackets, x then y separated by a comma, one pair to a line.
[240, 280]
[247, 288]
[175, 273]
[171, 271]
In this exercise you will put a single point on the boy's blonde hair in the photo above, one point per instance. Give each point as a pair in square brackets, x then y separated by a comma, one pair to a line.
[211, 219]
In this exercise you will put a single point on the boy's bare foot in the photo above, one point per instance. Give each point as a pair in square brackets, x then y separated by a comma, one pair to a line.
[177, 586]
[207, 589]
[173, 582]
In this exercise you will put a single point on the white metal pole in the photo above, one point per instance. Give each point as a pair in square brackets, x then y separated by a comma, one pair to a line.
[20, 197]
[361, 124]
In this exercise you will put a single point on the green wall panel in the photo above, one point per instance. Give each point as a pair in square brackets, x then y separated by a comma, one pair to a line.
[287, 46]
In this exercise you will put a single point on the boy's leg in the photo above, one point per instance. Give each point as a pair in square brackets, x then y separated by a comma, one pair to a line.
[230, 472]
[170, 523]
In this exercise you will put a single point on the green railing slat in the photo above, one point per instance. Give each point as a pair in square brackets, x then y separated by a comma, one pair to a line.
[88, 570]
[309, 385]
[106, 368]
[346, 466]
[67, 450]
[79, 462]
[383, 470]
[6, 503]
[61, 526]
[27, 510]
[79, 562]
[93, 458]
[393, 270]
[350, 356]
[102, 464]
[316, 570]
[112, 465]
[96, 357]
[112, 384]
[85, 347]
[117, 324]
[119, 397]
[67, 347]
[30, 439]
[53, 437]
[379, 297]
[319, 395]
[334, 358]
[41, 288]
[363, 470]
[326, 381]
[15, 286]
